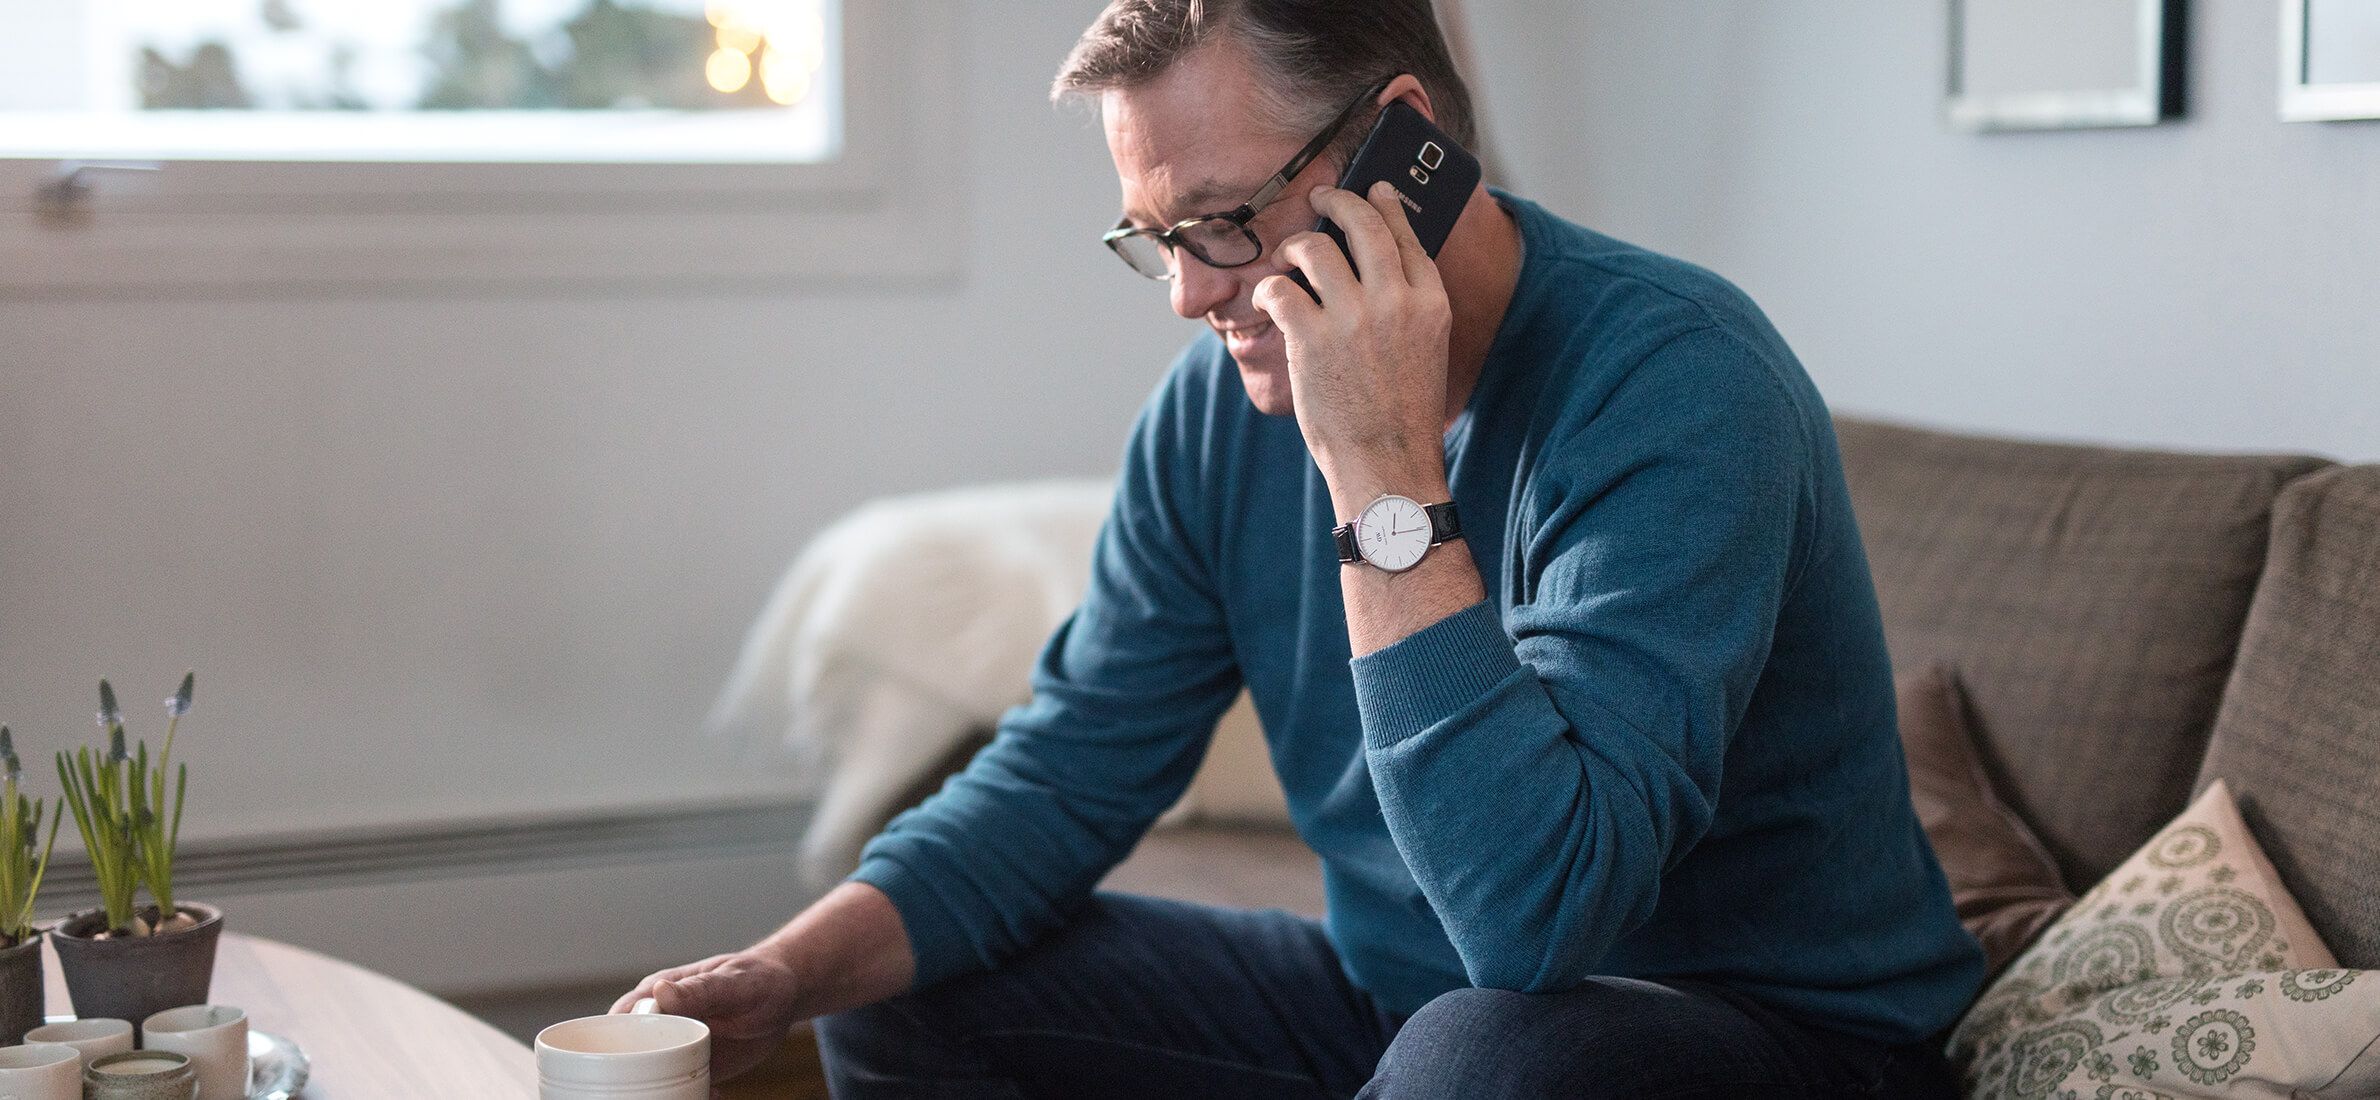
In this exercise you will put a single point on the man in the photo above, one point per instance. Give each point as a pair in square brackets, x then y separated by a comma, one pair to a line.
[1606, 789]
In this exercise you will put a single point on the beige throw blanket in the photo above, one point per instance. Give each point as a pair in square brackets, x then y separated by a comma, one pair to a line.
[899, 632]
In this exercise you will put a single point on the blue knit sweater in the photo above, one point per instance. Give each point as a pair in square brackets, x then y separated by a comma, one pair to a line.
[1664, 745]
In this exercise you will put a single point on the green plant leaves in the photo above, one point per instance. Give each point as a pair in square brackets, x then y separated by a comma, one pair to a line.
[119, 803]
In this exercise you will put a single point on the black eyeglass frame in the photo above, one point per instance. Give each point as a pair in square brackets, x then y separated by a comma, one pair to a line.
[1171, 237]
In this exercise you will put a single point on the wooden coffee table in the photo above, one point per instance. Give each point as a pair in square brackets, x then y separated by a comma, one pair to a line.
[367, 1034]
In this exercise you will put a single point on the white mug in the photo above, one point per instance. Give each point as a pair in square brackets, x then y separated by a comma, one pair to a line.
[41, 1071]
[213, 1037]
[94, 1038]
[639, 1056]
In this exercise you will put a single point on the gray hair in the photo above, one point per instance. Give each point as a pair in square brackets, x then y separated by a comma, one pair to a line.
[1311, 56]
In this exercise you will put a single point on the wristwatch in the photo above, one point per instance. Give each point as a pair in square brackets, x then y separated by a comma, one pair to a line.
[1393, 533]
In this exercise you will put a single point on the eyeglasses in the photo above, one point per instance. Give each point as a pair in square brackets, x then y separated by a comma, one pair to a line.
[1222, 240]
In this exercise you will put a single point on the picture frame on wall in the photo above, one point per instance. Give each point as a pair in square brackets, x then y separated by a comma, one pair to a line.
[2330, 60]
[2064, 64]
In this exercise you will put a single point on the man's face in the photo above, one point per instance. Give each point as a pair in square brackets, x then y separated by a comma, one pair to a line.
[1193, 142]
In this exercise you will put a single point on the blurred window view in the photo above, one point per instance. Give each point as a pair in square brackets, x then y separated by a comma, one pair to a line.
[654, 81]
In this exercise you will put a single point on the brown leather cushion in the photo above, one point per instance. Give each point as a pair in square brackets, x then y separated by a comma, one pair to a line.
[2091, 600]
[2298, 738]
[2005, 886]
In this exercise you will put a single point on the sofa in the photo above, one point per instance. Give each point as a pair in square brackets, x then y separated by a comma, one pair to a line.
[2128, 627]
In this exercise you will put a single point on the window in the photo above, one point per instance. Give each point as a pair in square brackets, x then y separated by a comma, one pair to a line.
[176, 143]
[730, 81]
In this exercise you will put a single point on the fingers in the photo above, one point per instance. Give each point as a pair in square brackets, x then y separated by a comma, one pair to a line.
[1280, 298]
[1325, 266]
[1420, 270]
[711, 996]
[1366, 227]
[735, 999]
[644, 988]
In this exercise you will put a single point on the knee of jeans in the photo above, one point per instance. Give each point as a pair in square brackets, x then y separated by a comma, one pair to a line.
[1467, 1011]
[1454, 1038]
[1467, 1036]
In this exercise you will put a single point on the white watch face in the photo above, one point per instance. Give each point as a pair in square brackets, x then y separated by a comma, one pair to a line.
[1393, 533]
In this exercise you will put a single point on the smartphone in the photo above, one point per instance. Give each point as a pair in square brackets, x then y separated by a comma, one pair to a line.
[1434, 178]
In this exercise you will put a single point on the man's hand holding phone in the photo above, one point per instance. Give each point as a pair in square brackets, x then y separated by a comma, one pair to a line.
[1367, 363]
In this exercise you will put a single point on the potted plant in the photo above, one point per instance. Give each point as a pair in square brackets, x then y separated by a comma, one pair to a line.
[123, 960]
[20, 881]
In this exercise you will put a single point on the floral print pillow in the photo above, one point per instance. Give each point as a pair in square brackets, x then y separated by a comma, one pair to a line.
[2188, 972]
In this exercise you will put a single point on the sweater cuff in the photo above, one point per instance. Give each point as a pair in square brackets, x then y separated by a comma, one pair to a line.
[1425, 677]
[936, 938]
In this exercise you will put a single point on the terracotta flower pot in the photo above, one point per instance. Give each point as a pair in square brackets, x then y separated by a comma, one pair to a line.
[20, 990]
[133, 977]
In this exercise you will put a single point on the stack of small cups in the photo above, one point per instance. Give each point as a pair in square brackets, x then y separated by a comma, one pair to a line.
[197, 1052]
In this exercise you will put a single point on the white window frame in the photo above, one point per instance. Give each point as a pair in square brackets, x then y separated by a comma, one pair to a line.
[884, 210]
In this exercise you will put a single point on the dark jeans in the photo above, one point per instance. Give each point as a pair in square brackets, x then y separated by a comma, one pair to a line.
[1145, 997]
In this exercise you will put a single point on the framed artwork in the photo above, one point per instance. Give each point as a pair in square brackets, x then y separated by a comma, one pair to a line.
[2330, 60]
[2065, 64]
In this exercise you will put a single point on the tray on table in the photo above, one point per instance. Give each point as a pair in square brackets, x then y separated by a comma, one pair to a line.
[276, 1067]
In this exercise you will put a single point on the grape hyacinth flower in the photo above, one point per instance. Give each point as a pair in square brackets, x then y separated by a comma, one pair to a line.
[130, 828]
[20, 834]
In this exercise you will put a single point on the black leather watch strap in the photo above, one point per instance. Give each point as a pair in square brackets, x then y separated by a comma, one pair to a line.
[1444, 524]
[1344, 536]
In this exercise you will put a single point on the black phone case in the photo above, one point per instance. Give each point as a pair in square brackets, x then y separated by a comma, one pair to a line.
[1433, 175]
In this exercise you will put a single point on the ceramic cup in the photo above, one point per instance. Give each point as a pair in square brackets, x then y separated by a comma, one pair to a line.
[94, 1038]
[215, 1037]
[640, 1056]
[41, 1071]
[141, 1075]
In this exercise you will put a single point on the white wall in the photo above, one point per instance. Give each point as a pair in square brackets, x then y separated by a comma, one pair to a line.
[439, 555]
[469, 554]
[2209, 284]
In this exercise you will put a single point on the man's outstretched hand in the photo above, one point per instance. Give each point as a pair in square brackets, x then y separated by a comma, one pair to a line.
[846, 950]
[748, 1000]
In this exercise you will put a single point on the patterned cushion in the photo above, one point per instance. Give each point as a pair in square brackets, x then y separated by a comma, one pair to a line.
[2091, 599]
[2005, 887]
[2187, 972]
[2299, 734]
